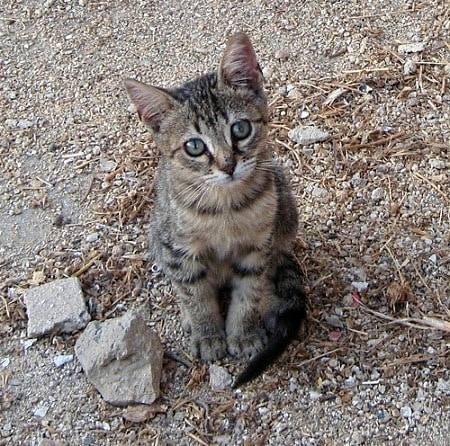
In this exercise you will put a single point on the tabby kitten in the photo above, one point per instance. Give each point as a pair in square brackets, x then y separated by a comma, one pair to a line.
[224, 215]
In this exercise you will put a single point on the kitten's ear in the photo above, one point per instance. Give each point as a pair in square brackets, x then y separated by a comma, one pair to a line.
[151, 103]
[239, 67]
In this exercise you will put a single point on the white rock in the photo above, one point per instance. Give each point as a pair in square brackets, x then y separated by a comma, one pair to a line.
[410, 67]
[377, 194]
[307, 135]
[319, 192]
[4, 363]
[415, 47]
[360, 286]
[122, 358]
[56, 307]
[438, 164]
[219, 378]
[61, 360]
[107, 165]
[406, 412]
[313, 395]
[92, 238]
[40, 411]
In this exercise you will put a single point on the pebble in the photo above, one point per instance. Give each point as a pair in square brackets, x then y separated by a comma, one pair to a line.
[219, 378]
[41, 411]
[360, 286]
[314, 396]
[410, 67]
[107, 165]
[304, 114]
[416, 47]
[307, 135]
[319, 192]
[282, 54]
[92, 238]
[377, 194]
[61, 360]
[4, 363]
[438, 164]
[406, 412]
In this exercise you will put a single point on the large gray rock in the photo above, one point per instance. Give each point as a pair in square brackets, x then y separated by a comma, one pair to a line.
[122, 358]
[56, 307]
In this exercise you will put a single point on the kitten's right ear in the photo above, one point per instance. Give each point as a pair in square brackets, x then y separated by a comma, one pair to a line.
[151, 103]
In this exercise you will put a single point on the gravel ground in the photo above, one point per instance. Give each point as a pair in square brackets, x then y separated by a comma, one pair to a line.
[372, 367]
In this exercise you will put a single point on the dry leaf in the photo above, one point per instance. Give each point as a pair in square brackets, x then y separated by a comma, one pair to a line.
[141, 413]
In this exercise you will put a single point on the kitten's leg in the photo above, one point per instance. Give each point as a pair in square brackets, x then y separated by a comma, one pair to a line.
[251, 292]
[200, 308]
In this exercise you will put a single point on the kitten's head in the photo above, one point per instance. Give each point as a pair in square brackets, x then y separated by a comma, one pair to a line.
[211, 130]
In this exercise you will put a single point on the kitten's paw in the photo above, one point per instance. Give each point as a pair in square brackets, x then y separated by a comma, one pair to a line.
[247, 344]
[208, 348]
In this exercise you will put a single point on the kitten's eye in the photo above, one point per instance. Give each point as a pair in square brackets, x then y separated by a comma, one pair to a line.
[241, 129]
[195, 147]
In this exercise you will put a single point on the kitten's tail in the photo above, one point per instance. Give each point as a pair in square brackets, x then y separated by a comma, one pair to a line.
[285, 320]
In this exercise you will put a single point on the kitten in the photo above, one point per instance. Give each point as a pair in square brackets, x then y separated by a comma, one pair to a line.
[224, 214]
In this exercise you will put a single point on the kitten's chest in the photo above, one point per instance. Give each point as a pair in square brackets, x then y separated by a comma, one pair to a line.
[228, 232]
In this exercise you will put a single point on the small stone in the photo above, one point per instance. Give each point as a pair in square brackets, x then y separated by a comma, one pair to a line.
[48, 442]
[107, 165]
[28, 343]
[304, 114]
[56, 307]
[41, 411]
[122, 358]
[350, 382]
[416, 47]
[282, 54]
[433, 259]
[267, 72]
[410, 67]
[406, 412]
[307, 135]
[219, 378]
[4, 363]
[377, 194]
[334, 321]
[319, 192]
[92, 238]
[24, 124]
[438, 164]
[360, 286]
[314, 396]
[61, 360]
[333, 363]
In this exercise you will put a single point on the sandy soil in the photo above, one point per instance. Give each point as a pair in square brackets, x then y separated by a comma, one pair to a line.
[76, 172]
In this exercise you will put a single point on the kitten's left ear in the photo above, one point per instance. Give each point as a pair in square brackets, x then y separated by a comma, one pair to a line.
[239, 67]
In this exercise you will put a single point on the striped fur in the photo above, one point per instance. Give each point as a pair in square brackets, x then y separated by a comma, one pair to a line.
[224, 214]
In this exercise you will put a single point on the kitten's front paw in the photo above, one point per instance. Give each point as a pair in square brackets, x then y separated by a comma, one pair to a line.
[208, 348]
[247, 344]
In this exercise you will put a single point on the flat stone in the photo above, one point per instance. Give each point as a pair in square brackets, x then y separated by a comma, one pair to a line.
[414, 47]
[307, 135]
[122, 358]
[56, 307]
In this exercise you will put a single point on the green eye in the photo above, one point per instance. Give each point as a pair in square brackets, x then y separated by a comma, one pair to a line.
[195, 147]
[241, 129]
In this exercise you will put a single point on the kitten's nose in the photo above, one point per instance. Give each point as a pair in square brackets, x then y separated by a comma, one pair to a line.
[228, 165]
